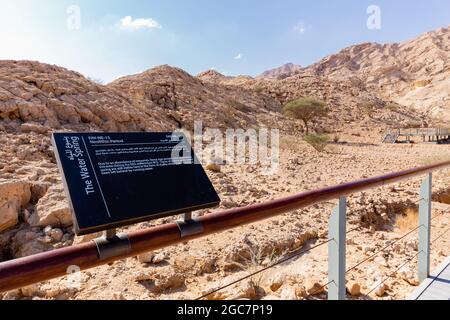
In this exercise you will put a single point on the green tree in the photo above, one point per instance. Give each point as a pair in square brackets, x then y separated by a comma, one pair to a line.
[306, 109]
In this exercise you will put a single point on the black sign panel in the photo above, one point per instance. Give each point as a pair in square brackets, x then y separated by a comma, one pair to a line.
[118, 179]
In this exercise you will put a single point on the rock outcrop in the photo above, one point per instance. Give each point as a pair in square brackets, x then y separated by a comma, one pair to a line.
[414, 73]
[52, 210]
[285, 71]
[37, 97]
[185, 99]
[14, 195]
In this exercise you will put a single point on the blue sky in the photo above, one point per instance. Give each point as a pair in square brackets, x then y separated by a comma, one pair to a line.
[233, 37]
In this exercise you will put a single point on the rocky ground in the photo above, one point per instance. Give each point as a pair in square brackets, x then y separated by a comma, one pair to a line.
[189, 270]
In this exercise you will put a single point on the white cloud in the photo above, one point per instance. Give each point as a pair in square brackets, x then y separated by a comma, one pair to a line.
[239, 56]
[300, 27]
[129, 24]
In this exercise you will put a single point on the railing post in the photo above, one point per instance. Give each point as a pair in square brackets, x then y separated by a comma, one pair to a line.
[336, 251]
[425, 228]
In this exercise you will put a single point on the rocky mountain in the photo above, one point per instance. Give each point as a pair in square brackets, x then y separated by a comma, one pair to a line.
[414, 73]
[285, 71]
[40, 97]
[212, 76]
[185, 99]
[351, 103]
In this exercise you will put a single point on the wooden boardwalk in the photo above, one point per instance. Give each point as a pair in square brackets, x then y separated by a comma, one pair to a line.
[437, 286]
[435, 135]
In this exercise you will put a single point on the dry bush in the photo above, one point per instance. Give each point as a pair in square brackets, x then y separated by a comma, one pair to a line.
[367, 107]
[318, 141]
[258, 88]
[408, 220]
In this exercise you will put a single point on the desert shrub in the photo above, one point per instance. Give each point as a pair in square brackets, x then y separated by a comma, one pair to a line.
[258, 88]
[392, 107]
[318, 141]
[408, 220]
[306, 110]
[367, 107]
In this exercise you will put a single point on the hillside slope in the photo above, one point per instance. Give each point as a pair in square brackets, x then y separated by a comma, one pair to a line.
[285, 71]
[48, 97]
[414, 73]
[186, 98]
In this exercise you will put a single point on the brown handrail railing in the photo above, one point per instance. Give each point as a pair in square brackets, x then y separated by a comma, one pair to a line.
[48, 265]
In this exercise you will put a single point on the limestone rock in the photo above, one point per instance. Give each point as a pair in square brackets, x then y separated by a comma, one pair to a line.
[30, 290]
[146, 257]
[285, 71]
[45, 97]
[52, 210]
[164, 282]
[381, 290]
[56, 234]
[313, 287]
[26, 243]
[248, 289]
[159, 258]
[13, 196]
[277, 281]
[381, 261]
[12, 295]
[353, 288]
[288, 293]
[300, 292]
[34, 127]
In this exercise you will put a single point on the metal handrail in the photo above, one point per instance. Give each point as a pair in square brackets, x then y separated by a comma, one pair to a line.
[48, 265]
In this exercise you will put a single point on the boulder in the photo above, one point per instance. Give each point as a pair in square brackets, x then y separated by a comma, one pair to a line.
[248, 289]
[30, 290]
[165, 282]
[300, 292]
[288, 293]
[13, 196]
[56, 234]
[381, 290]
[146, 257]
[26, 243]
[410, 278]
[313, 287]
[160, 258]
[34, 127]
[213, 167]
[277, 281]
[353, 288]
[381, 261]
[52, 210]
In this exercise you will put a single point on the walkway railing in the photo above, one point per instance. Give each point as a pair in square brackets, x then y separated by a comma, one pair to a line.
[48, 265]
